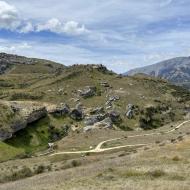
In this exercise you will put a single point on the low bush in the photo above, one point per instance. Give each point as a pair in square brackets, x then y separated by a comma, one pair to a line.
[75, 163]
[20, 174]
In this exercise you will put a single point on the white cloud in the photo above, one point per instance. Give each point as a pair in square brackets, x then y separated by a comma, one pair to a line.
[9, 47]
[53, 25]
[70, 27]
[8, 16]
[27, 27]
[74, 28]
[11, 20]
[122, 34]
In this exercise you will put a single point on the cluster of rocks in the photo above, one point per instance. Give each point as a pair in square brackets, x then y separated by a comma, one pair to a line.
[101, 119]
[91, 120]
[89, 91]
[64, 110]
[105, 84]
[100, 68]
[103, 124]
[111, 99]
[95, 118]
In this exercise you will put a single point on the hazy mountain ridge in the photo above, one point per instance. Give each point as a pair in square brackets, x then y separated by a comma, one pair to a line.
[176, 70]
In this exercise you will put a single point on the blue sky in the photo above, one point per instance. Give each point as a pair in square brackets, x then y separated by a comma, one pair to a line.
[121, 34]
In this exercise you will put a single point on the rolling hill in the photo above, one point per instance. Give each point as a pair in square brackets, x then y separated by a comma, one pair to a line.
[57, 120]
[20, 64]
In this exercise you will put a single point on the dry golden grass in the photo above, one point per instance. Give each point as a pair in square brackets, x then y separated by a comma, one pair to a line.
[158, 168]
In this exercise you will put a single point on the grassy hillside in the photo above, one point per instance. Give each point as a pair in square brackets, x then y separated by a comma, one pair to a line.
[149, 150]
[19, 65]
[156, 102]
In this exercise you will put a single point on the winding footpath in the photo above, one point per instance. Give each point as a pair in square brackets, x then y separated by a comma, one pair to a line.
[98, 148]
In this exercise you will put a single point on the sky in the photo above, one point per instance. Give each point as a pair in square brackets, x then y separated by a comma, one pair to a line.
[121, 34]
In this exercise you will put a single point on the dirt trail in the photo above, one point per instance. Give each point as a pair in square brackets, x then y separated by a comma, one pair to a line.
[98, 148]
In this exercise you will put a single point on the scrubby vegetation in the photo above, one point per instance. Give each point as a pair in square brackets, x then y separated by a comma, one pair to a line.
[84, 105]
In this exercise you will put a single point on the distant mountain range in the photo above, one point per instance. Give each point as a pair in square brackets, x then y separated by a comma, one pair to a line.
[176, 70]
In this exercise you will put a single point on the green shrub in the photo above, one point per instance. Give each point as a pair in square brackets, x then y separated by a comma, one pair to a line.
[20, 174]
[40, 169]
[156, 173]
[75, 163]
[176, 158]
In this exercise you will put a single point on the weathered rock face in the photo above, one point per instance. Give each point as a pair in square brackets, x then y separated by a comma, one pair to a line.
[114, 116]
[91, 120]
[23, 113]
[61, 110]
[76, 114]
[97, 110]
[4, 134]
[36, 114]
[106, 123]
[89, 91]
[112, 99]
[130, 112]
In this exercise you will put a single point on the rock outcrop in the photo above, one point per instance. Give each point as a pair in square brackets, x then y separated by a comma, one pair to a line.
[91, 120]
[61, 110]
[17, 115]
[89, 91]
[114, 116]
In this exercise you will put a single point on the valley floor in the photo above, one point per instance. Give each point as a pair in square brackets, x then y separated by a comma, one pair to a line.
[162, 165]
[154, 169]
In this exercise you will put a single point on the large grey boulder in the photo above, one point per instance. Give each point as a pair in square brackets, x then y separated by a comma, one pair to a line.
[129, 114]
[89, 128]
[61, 110]
[76, 114]
[114, 116]
[112, 99]
[104, 124]
[89, 91]
[91, 120]
[97, 110]
[131, 109]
